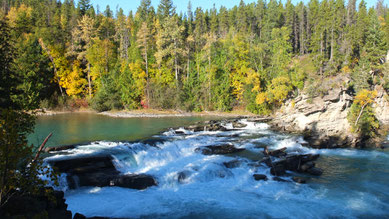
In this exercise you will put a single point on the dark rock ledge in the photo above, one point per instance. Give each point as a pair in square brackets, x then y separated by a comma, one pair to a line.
[99, 171]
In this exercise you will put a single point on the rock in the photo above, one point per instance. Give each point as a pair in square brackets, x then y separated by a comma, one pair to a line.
[309, 157]
[238, 125]
[79, 216]
[232, 163]
[60, 148]
[99, 179]
[153, 141]
[277, 170]
[276, 178]
[133, 181]
[333, 95]
[196, 128]
[307, 166]
[267, 161]
[83, 164]
[179, 132]
[260, 177]
[298, 163]
[276, 153]
[299, 180]
[182, 176]
[263, 120]
[315, 171]
[215, 127]
[218, 149]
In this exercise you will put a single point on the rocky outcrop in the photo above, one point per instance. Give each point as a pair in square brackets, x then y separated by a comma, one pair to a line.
[381, 105]
[297, 163]
[323, 119]
[99, 171]
[218, 149]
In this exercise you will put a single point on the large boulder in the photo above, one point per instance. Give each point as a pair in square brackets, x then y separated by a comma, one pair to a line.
[297, 163]
[99, 171]
[83, 164]
[218, 149]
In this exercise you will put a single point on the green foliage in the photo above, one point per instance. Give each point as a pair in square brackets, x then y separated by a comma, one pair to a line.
[107, 98]
[361, 76]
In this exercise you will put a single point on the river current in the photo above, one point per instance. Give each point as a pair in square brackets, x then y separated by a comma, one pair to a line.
[355, 183]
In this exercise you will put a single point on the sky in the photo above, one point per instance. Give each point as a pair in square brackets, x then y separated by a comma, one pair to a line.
[182, 5]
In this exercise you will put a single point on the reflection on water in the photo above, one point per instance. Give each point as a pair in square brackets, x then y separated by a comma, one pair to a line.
[74, 128]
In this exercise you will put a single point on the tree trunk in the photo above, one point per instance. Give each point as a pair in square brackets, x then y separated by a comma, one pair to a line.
[89, 82]
[360, 114]
[52, 61]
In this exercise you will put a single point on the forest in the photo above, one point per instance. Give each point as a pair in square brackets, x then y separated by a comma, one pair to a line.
[251, 57]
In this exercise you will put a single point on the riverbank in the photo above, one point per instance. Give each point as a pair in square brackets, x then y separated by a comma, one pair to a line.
[149, 113]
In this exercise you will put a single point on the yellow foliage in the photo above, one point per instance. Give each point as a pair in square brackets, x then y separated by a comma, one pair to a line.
[19, 14]
[74, 82]
[365, 97]
[346, 69]
[138, 75]
[261, 98]
[277, 92]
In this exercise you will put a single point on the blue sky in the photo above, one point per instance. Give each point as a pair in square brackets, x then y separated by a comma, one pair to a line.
[181, 5]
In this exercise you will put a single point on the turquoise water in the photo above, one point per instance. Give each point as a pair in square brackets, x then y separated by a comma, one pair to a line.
[75, 128]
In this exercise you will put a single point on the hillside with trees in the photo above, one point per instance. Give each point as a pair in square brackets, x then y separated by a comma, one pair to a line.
[252, 56]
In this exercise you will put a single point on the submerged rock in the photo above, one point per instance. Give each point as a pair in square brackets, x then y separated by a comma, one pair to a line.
[279, 179]
[260, 177]
[299, 180]
[232, 163]
[218, 149]
[277, 170]
[60, 148]
[315, 171]
[134, 181]
[238, 125]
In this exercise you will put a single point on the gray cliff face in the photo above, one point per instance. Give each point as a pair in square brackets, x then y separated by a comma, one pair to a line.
[325, 117]
[381, 106]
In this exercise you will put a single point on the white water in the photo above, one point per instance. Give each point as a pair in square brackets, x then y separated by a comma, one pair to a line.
[352, 186]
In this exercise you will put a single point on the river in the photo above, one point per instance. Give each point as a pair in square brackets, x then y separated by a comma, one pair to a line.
[354, 183]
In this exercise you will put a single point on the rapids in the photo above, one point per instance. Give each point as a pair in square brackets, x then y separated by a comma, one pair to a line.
[193, 185]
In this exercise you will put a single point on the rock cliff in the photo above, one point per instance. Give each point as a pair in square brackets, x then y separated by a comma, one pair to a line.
[323, 119]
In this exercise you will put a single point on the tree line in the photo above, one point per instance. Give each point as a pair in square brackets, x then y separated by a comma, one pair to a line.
[252, 56]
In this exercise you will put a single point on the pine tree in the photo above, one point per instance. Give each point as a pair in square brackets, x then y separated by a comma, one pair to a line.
[84, 6]
[166, 9]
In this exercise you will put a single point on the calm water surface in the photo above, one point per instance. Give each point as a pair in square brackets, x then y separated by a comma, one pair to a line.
[75, 128]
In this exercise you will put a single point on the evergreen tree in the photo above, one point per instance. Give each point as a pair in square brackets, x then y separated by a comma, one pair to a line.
[84, 6]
